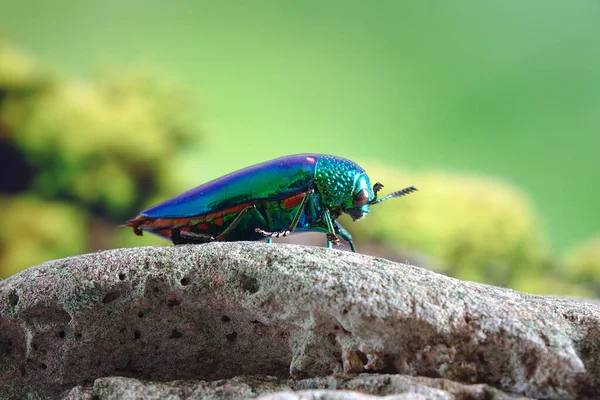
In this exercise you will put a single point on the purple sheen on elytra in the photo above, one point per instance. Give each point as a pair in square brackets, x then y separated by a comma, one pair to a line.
[275, 179]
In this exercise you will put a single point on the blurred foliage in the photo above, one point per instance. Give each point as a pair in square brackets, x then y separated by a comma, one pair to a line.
[100, 143]
[80, 157]
[582, 265]
[34, 231]
[82, 150]
[19, 73]
[478, 229]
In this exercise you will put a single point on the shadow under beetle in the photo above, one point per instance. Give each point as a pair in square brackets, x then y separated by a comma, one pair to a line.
[299, 193]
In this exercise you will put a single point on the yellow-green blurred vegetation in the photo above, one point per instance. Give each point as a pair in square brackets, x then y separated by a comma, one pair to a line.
[583, 265]
[476, 229]
[78, 157]
[491, 109]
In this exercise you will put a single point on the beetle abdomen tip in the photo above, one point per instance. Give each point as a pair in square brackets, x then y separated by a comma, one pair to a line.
[135, 224]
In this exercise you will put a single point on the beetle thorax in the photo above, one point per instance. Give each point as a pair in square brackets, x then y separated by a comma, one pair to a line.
[335, 180]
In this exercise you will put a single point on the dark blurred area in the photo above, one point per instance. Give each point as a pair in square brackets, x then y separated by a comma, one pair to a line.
[490, 110]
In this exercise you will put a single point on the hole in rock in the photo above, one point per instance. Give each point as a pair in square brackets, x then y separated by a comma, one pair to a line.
[78, 336]
[137, 334]
[332, 338]
[225, 318]
[43, 366]
[185, 281]
[6, 347]
[571, 316]
[61, 334]
[121, 276]
[284, 334]
[390, 367]
[111, 296]
[255, 321]
[145, 312]
[362, 356]
[249, 284]
[173, 302]
[13, 298]
[175, 334]
[232, 336]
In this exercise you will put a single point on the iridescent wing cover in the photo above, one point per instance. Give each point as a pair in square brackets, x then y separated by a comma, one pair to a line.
[271, 180]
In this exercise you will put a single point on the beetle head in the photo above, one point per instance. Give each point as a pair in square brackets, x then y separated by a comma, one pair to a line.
[338, 180]
[357, 204]
[344, 185]
[365, 197]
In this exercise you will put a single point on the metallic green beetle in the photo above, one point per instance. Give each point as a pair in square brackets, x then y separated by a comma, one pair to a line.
[298, 193]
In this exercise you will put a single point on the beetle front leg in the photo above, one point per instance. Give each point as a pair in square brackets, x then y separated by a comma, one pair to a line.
[344, 234]
[331, 236]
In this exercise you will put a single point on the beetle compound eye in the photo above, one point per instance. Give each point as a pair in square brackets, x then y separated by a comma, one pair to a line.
[361, 198]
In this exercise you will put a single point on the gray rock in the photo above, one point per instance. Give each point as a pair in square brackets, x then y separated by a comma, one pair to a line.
[364, 386]
[228, 309]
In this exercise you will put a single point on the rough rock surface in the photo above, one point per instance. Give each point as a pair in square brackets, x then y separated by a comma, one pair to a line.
[230, 309]
[364, 386]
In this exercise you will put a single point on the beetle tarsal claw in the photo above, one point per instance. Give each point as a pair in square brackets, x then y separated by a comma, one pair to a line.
[332, 237]
[272, 234]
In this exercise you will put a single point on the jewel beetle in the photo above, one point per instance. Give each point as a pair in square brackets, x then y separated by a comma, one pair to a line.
[297, 193]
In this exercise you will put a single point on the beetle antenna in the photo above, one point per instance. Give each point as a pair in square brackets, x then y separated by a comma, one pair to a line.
[399, 193]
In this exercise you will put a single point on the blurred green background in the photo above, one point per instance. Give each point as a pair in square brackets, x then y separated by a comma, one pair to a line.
[492, 109]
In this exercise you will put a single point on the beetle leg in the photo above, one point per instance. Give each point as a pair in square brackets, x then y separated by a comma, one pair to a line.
[235, 221]
[272, 235]
[184, 237]
[344, 234]
[300, 211]
[292, 227]
[331, 236]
